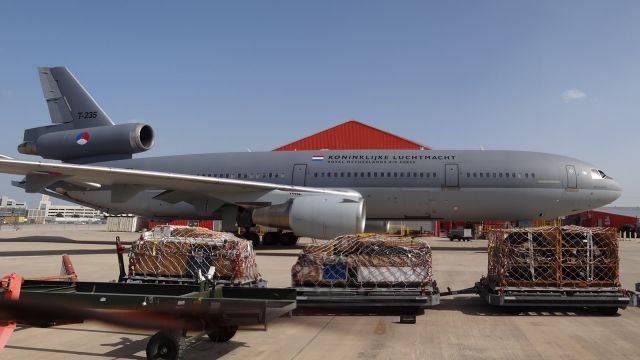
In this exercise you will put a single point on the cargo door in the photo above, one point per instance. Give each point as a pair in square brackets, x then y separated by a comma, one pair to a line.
[572, 177]
[451, 175]
[299, 176]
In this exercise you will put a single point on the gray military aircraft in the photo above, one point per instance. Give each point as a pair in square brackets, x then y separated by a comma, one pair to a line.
[319, 194]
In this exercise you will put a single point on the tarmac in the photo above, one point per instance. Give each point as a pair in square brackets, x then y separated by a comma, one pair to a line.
[461, 327]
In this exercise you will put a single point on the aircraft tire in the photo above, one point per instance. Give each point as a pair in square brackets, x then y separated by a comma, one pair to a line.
[253, 237]
[271, 238]
[289, 239]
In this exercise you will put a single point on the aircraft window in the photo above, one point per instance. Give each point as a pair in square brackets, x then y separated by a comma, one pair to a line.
[369, 174]
[597, 174]
[362, 174]
[395, 174]
[328, 174]
[526, 175]
[500, 174]
[468, 175]
[402, 174]
[209, 175]
[513, 175]
[349, 174]
[533, 175]
[421, 174]
[382, 174]
[506, 175]
[341, 174]
[245, 176]
[494, 175]
[488, 175]
[375, 174]
[315, 174]
[408, 174]
[388, 174]
[335, 174]
[321, 174]
[415, 174]
[435, 175]
[475, 175]
[481, 175]
[355, 174]
[428, 174]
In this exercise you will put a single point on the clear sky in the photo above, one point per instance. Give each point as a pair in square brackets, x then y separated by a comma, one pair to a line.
[214, 76]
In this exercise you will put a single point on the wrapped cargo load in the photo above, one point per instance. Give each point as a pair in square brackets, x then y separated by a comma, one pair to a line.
[182, 252]
[568, 256]
[365, 260]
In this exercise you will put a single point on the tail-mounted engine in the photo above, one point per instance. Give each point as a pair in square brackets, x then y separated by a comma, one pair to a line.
[117, 141]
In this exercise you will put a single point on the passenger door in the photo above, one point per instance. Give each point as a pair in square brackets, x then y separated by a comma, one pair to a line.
[451, 175]
[299, 176]
[572, 177]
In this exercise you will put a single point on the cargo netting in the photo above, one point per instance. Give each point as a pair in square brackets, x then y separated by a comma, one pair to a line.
[568, 256]
[365, 260]
[182, 252]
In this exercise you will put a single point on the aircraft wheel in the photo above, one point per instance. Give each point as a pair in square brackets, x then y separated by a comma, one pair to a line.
[166, 345]
[271, 238]
[289, 239]
[253, 237]
[223, 334]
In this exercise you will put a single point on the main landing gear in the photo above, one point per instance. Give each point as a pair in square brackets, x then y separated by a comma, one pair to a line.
[279, 238]
[271, 238]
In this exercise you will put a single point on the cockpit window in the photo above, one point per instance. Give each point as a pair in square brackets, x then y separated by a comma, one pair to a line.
[598, 174]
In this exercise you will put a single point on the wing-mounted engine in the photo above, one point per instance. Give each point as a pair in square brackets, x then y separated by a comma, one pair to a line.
[317, 216]
[67, 145]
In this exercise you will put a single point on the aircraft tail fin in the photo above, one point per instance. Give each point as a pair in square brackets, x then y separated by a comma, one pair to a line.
[69, 101]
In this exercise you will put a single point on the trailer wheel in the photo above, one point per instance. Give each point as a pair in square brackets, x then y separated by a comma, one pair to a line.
[450, 239]
[253, 237]
[607, 311]
[223, 334]
[166, 345]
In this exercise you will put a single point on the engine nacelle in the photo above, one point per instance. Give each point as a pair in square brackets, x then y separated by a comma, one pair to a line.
[377, 226]
[123, 139]
[317, 216]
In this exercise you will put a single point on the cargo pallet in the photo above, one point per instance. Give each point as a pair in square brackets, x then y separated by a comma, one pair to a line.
[607, 300]
[213, 311]
[407, 301]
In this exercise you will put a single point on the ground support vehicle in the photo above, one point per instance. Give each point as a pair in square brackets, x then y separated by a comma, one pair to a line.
[460, 234]
[174, 310]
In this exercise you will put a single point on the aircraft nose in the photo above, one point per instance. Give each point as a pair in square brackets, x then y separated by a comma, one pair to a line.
[613, 192]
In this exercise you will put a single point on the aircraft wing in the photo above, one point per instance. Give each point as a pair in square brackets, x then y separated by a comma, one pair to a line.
[127, 182]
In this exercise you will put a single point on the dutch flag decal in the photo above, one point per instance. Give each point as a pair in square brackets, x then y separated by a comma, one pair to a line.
[317, 158]
[82, 138]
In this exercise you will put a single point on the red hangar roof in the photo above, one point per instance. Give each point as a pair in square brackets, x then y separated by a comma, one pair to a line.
[352, 135]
